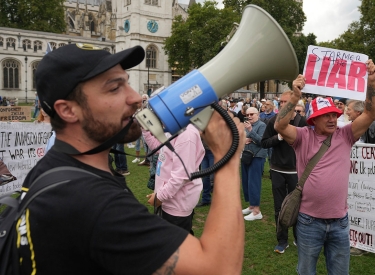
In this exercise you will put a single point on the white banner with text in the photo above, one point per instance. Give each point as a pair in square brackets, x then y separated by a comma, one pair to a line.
[361, 197]
[22, 144]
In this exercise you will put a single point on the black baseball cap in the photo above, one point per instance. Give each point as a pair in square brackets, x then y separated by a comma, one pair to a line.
[343, 100]
[61, 70]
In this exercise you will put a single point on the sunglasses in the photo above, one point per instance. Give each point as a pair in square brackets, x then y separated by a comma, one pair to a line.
[251, 114]
[298, 111]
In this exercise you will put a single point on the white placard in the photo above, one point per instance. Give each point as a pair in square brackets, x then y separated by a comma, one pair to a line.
[335, 73]
[22, 144]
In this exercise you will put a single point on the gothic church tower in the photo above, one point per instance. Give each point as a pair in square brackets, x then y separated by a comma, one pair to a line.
[146, 23]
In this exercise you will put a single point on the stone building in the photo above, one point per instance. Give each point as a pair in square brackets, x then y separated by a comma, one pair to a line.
[113, 25]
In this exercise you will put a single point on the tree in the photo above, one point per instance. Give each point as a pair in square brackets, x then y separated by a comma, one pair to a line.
[300, 44]
[197, 40]
[47, 16]
[367, 27]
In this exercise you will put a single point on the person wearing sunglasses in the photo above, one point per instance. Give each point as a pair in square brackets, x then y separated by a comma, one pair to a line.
[300, 109]
[252, 173]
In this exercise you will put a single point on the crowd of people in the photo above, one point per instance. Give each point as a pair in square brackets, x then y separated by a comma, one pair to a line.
[102, 227]
[8, 101]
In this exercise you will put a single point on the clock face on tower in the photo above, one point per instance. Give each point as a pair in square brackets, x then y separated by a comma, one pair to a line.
[127, 25]
[152, 26]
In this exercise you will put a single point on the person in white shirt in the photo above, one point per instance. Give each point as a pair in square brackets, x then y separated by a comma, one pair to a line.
[343, 119]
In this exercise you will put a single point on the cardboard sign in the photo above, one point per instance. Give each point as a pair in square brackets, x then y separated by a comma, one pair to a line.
[22, 144]
[361, 197]
[15, 113]
[335, 73]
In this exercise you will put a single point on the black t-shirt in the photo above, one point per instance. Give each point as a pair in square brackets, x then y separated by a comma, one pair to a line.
[94, 226]
[283, 156]
[241, 116]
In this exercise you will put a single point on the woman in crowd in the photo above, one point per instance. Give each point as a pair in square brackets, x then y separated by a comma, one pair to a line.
[252, 174]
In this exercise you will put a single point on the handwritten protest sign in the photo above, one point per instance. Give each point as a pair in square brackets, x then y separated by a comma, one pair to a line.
[361, 197]
[12, 113]
[335, 73]
[21, 146]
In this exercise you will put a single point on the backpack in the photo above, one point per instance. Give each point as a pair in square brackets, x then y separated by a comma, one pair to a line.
[13, 206]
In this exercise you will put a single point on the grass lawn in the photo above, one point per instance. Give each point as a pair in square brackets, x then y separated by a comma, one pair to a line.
[260, 239]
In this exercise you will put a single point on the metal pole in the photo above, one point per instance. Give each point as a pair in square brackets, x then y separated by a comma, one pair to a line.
[26, 77]
[148, 72]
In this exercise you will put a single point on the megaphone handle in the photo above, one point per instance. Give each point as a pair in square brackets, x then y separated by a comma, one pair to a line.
[232, 150]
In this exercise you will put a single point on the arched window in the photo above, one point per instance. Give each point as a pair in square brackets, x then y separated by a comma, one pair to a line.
[1, 42]
[37, 45]
[92, 27]
[71, 23]
[151, 57]
[34, 65]
[26, 44]
[11, 74]
[128, 2]
[53, 45]
[11, 43]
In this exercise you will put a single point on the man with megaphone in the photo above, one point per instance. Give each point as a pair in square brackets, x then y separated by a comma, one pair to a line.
[95, 225]
[323, 215]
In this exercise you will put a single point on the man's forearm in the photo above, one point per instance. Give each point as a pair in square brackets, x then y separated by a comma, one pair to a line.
[370, 94]
[223, 234]
[283, 117]
[370, 99]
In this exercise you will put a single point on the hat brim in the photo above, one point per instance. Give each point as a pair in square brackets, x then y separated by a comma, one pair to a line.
[127, 59]
[322, 112]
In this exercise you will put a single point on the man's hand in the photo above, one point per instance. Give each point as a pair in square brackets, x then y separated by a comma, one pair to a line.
[248, 140]
[298, 85]
[151, 199]
[248, 126]
[371, 73]
[218, 136]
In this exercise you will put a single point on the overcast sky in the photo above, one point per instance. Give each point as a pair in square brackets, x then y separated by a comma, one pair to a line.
[327, 19]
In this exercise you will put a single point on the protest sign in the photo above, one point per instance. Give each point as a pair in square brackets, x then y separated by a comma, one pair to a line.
[21, 146]
[335, 73]
[12, 113]
[361, 197]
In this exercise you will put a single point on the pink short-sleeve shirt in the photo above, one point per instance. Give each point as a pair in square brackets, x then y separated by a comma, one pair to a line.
[326, 189]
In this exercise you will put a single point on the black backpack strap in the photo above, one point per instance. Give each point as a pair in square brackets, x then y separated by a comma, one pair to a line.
[49, 180]
[8, 236]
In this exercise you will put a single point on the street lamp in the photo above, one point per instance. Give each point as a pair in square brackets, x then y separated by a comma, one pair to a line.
[148, 54]
[26, 77]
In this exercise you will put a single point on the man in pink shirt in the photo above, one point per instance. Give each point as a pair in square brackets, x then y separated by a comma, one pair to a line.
[323, 219]
[173, 189]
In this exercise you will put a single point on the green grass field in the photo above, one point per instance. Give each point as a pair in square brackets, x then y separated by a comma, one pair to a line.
[260, 240]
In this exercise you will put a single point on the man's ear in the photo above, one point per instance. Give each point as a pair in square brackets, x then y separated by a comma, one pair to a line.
[313, 121]
[67, 110]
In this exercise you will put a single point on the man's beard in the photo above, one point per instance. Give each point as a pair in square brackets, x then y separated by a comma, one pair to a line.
[100, 132]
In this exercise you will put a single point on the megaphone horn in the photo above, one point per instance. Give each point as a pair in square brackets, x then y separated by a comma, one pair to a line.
[259, 50]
